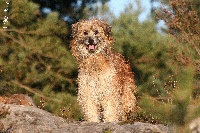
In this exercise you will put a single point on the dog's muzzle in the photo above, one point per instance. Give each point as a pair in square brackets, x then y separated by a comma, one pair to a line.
[91, 44]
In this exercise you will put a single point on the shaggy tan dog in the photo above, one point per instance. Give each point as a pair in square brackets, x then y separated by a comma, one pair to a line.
[105, 80]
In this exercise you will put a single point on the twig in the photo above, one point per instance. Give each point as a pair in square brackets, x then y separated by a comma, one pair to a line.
[34, 92]
[12, 38]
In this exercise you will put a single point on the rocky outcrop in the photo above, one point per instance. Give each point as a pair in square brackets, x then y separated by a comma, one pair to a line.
[29, 119]
[18, 118]
[195, 126]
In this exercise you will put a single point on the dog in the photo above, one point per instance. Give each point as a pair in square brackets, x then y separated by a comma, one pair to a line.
[105, 82]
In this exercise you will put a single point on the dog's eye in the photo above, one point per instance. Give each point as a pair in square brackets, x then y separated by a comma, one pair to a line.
[85, 33]
[96, 32]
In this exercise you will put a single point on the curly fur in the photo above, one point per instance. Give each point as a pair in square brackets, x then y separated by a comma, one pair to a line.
[105, 80]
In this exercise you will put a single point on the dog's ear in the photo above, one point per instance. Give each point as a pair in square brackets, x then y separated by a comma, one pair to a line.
[74, 30]
[107, 28]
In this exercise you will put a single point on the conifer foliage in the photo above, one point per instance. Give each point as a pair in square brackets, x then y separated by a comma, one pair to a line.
[166, 67]
[34, 57]
[146, 50]
[180, 104]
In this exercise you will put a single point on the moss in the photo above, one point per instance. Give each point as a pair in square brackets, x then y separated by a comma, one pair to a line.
[107, 130]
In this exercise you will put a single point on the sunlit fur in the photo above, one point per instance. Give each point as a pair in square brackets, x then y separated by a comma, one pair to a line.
[105, 80]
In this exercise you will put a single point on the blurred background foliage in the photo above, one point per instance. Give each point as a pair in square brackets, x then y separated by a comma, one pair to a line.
[35, 57]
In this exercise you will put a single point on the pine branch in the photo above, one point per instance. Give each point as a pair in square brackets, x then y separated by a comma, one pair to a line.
[38, 93]
[12, 38]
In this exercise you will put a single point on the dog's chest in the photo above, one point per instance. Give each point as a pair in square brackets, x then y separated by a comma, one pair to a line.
[96, 76]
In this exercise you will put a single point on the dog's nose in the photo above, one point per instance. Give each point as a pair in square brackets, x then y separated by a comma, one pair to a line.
[91, 41]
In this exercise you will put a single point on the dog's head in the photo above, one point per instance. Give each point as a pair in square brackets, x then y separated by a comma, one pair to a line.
[90, 37]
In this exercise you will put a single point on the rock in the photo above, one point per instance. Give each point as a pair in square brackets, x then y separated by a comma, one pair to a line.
[19, 115]
[18, 99]
[195, 126]
[30, 119]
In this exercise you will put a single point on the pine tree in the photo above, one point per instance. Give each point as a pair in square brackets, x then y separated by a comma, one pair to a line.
[183, 29]
[165, 66]
[35, 58]
[146, 50]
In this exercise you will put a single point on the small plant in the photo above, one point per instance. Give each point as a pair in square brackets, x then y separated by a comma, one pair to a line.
[61, 104]
[107, 130]
[42, 103]
[3, 112]
[142, 116]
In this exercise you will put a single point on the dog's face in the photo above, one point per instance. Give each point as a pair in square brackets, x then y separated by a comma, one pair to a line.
[90, 37]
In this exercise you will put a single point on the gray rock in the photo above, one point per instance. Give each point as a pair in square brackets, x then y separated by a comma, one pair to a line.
[30, 119]
[195, 126]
